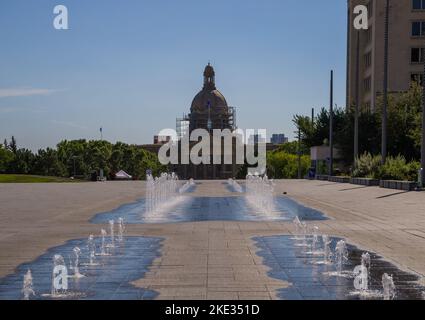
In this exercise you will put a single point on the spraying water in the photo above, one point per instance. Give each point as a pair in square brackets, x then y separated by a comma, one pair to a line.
[76, 267]
[298, 234]
[186, 186]
[303, 238]
[361, 280]
[59, 277]
[112, 234]
[389, 292]
[103, 235]
[341, 255]
[235, 185]
[259, 193]
[162, 189]
[28, 288]
[121, 229]
[327, 254]
[91, 246]
[315, 242]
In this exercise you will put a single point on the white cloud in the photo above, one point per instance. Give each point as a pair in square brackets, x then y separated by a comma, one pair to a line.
[28, 109]
[24, 92]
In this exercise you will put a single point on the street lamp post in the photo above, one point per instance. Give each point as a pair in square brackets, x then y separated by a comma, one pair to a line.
[299, 152]
[357, 106]
[385, 104]
[423, 132]
[331, 120]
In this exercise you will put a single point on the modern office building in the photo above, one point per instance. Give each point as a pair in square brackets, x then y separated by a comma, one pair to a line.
[365, 50]
[278, 138]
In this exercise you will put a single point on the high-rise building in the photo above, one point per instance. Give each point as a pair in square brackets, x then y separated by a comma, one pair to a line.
[182, 127]
[278, 138]
[365, 50]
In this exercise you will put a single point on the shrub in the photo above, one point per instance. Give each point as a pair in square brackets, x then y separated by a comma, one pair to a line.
[282, 165]
[367, 166]
[396, 168]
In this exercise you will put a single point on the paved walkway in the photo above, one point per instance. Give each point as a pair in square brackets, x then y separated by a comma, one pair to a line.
[211, 260]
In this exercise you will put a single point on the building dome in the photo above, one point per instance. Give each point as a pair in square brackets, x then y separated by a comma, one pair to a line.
[209, 71]
[208, 98]
[209, 109]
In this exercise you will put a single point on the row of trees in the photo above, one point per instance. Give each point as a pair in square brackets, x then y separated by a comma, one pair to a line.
[283, 162]
[79, 158]
[404, 128]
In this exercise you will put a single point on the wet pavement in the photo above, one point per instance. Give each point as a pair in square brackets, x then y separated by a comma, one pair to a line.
[312, 281]
[193, 209]
[111, 279]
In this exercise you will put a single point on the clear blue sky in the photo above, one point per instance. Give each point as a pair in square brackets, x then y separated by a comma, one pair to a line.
[133, 66]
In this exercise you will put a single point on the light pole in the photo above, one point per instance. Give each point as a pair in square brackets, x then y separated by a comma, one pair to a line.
[312, 118]
[331, 120]
[385, 104]
[423, 132]
[357, 106]
[299, 152]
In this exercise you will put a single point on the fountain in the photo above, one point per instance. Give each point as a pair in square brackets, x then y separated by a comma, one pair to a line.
[186, 186]
[327, 254]
[59, 278]
[303, 238]
[315, 242]
[121, 229]
[161, 190]
[103, 252]
[361, 279]
[298, 229]
[341, 256]
[112, 237]
[91, 246]
[389, 292]
[259, 193]
[28, 288]
[76, 266]
[235, 185]
[366, 261]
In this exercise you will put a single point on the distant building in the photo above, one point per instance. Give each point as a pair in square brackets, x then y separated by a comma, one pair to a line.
[278, 138]
[182, 127]
[161, 139]
[209, 110]
[406, 49]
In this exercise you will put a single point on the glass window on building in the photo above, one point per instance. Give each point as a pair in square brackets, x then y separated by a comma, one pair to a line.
[369, 35]
[367, 84]
[416, 29]
[368, 59]
[417, 55]
[417, 77]
[418, 4]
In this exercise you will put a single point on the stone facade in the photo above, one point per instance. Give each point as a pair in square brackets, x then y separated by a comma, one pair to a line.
[403, 64]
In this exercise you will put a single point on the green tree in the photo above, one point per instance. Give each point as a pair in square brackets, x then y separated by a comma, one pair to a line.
[282, 165]
[47, 163]
[6, 156]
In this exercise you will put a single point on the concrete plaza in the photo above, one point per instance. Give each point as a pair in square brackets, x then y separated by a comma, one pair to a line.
[214, 259]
